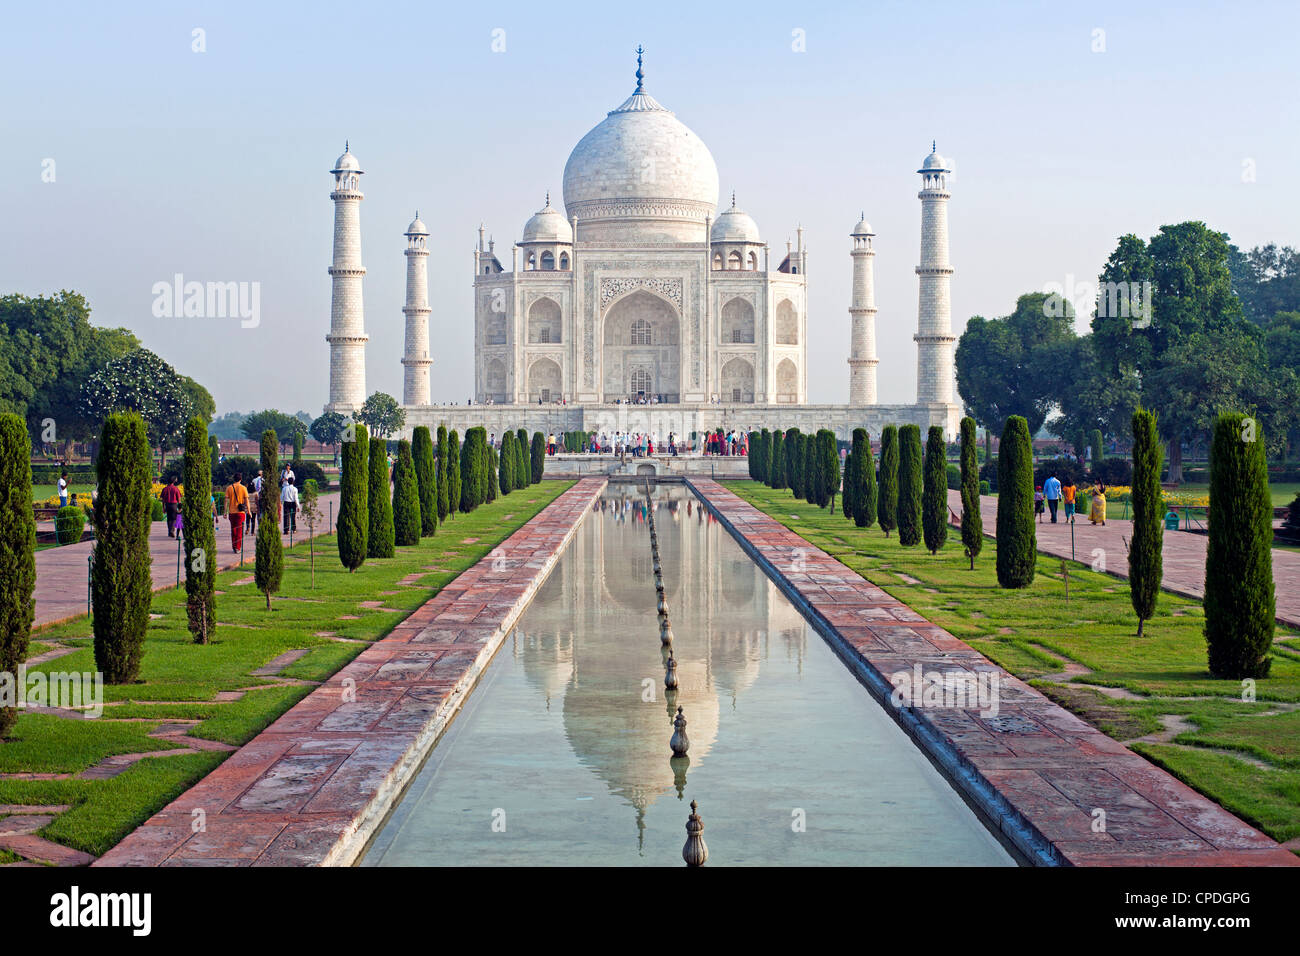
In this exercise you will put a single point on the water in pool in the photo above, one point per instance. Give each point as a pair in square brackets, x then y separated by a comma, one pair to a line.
[561, 755]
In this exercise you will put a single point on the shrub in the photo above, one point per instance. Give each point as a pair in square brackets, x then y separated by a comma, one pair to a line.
[453, 472]
[121, 580]
[200, 540]
[985, 489]
[304, 470]
[157, 510]
[1017, 541]
[909, 485]
[1239, 597]
[1293, 512]
[887, 505]
[989, 476]
[538, 454]
[380, 540]
[17, 552]
[225, 471]
[268, 569]
[444, 482]
[426, 480]
[406, 498]
[69, 524]
[934, 495]
[353, 528]
[953, 477]
[1145, 561]
[1114, 471]
[972, 522]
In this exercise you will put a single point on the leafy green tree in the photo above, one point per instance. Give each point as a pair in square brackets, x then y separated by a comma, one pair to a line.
[776, 461]
[1145, 561]
[1017, 551]
[426, 480]
[141, 382]
[444, 480]
[934, 494]
[538, 463]
[453, 472]
[406, 498]
[269, 568]
[382, 415]
[1240, 604]
[200, 540]
[121, 579]
[329, 429]
[864, 506]
[256, 424]
[1266, 280]
[381, 540]
[354, 499]
[887, 509]
[309, 511]
[17, 552]
[972, 522]
[1010, 366]
[909, 485]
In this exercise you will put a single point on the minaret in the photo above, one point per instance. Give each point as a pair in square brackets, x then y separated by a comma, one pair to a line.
[415, 381]
[934, 338]
[862, 354]
[347, 336]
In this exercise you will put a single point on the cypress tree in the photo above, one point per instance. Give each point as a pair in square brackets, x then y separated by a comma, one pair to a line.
[471, 472]
[799, 463]
[121, 579]
[297, 444]
[493, 477]
[1096, 447]
[909, 485]
[761, 455]
[200, 539]
[354, 499]
[507, 467]
[381, 539]
[17, 552]
[828, 469]
[809, 475]
[751, 459]
[214, 454]
[776, 461]
[268, 571]
[853, 475]
[453, 473]
[1240, 603]
[887, 504]
[1145, 560]
[934, 495]
[406, 498]
[444, 481]
[972, 522]
[426, 480]
[864, 512]
[538, 463]
[794, 461]
[1017, 542]
[523, 464]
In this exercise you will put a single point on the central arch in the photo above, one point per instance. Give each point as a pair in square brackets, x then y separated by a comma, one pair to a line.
[642, 349]
[737, 381]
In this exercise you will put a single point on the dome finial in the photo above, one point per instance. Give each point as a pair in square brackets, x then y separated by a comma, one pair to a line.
[548, 199]
[934, 146]
[733, 199]
[639, 75]
[346, 147]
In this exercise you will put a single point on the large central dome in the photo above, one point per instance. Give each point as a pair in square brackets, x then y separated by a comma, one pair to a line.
[641, 175]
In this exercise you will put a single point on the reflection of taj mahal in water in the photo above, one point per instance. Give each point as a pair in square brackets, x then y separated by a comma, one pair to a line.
[641, 292]
[598, 683]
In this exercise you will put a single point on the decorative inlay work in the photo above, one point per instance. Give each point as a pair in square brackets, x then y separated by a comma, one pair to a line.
[612, 288]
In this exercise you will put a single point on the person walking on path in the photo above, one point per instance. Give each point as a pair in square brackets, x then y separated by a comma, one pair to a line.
[1052, 492]
[1038, 503]
[1067, 494]
[236, 509]
[171, 499]
[63, 490]
[289, 505]
[254, 506]
[1097, 512]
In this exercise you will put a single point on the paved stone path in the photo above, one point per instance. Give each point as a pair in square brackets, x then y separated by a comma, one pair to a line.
[61, 572]
[313, 787]
[1037, 771]
[1184, 553]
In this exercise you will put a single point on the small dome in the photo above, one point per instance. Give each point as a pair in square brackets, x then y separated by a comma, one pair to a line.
[734, 226]
[416, 228]
[934, 162]
[863, 228]
[346, 161]
[548, 225]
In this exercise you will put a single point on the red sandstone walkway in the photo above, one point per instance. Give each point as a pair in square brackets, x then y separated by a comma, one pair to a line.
[1184, 553]
[313, 787]
[61, 572]
[1040, 773]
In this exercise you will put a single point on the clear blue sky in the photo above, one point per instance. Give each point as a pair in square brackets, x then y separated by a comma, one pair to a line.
[215, 164]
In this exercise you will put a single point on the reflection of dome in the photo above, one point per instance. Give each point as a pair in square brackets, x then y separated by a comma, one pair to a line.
[547, 225]
[641, 173]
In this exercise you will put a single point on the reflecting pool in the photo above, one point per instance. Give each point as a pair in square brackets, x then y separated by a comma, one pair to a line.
[561, 754]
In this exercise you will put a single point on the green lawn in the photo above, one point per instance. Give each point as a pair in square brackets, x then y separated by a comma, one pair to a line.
[1244, 755]
[181, 680]
[1284, 492]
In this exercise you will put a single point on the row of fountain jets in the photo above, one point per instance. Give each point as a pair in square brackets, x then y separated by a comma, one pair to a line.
[695, 852]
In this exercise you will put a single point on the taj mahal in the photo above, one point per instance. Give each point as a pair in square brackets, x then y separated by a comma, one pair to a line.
[641, 307]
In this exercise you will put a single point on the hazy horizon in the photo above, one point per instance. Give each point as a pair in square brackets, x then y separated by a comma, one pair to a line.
[214, 164]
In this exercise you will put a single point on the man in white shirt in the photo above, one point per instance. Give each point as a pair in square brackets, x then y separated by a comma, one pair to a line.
[289, 505]
[63, 490]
